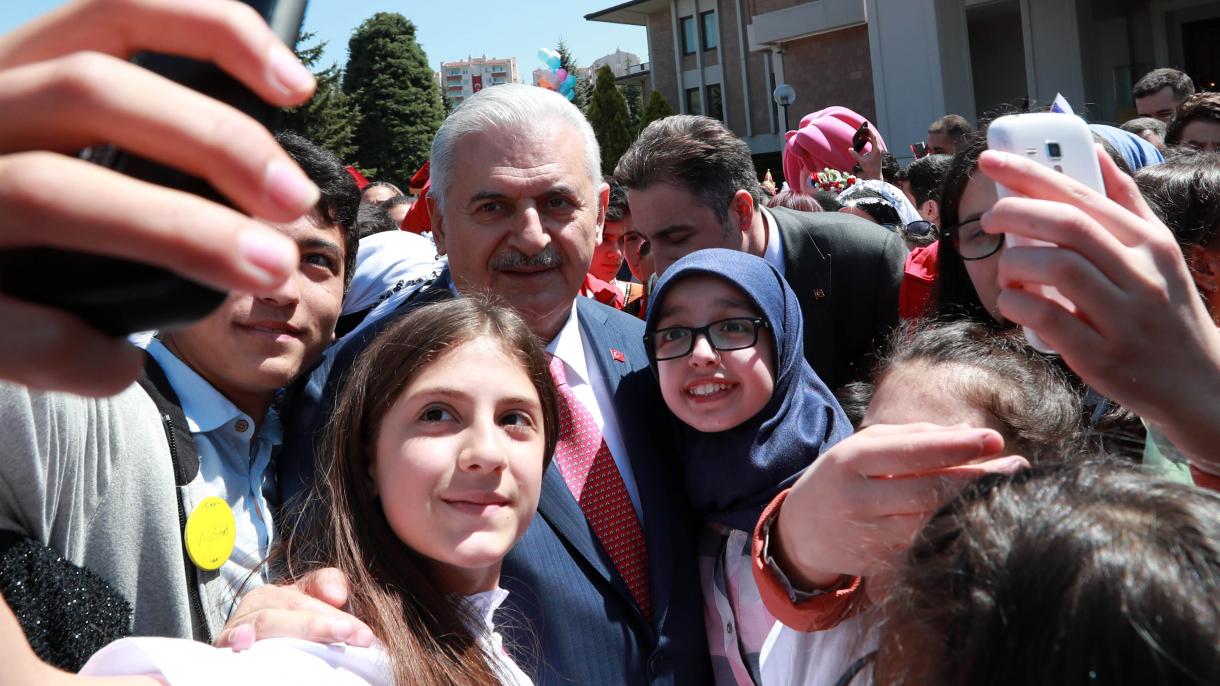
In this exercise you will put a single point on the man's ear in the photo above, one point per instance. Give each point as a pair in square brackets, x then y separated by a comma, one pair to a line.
[930, 210]
[741, 210]
[438, 223]
[603, 201]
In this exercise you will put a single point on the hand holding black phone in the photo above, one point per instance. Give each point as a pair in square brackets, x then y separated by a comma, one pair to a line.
[119, 296]
[860, 138]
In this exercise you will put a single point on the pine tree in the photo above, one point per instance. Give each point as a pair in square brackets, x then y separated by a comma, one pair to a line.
[634, 95]
[331, 116]
[657, 108]
[388, 76]
[583, 87]
[607, 113]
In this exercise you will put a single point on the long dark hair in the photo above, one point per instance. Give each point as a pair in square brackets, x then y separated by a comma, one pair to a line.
[1061, 574]
[953, 292]
[425, 630]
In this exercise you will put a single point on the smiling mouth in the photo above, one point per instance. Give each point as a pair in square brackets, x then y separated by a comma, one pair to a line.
[706, 390]
[271, 329]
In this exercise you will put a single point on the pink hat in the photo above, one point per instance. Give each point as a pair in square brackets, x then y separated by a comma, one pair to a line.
[823, 140]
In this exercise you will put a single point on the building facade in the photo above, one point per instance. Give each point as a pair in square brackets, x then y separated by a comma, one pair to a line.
[903, 63]
[460, 80]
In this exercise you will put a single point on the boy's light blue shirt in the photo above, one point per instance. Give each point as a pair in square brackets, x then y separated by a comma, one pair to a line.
[234, 465]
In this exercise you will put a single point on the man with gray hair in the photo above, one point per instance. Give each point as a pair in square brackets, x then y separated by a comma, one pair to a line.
[517, 203]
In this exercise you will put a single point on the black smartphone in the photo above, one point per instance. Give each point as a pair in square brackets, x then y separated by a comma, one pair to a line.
[860, 138]
[120, 296]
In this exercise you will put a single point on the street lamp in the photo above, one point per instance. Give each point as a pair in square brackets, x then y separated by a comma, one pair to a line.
[784, 96]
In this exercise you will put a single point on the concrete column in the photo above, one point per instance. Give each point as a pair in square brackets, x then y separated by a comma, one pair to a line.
[921, 66]
[1053, 63]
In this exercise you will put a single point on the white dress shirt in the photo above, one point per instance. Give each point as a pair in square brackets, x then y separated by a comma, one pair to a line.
[774, 252]
[591, 390]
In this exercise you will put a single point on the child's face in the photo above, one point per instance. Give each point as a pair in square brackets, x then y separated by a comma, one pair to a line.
[714, 390]
[458, 463]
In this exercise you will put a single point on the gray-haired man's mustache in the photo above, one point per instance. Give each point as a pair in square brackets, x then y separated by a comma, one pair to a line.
[509, 260]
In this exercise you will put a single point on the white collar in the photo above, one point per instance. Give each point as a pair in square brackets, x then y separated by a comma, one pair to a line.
[203, 406]
[774, 252]
[568, 346]
[484, 605]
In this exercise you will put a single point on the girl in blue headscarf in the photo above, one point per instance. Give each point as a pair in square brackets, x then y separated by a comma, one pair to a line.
[724, 335]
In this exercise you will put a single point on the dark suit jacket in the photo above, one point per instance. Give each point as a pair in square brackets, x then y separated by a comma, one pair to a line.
[845, 272]
[570, 618]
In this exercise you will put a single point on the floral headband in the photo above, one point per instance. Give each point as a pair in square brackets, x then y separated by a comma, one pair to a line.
[832, 181]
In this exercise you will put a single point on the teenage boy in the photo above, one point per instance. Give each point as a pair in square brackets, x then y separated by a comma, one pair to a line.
[166, 491]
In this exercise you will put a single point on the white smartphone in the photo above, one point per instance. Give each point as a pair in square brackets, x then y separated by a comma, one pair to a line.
[1061, 142]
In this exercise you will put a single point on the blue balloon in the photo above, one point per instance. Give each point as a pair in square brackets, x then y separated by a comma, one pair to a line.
[553, 62]
[570, 82]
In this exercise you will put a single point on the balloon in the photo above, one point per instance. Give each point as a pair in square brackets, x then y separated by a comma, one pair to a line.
[544, 55]
[546, 84]
[553, 62]
[561, 74]
[570, 82]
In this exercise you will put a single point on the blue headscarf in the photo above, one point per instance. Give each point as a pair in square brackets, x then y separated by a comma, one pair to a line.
[731, 475]
[1138, 152]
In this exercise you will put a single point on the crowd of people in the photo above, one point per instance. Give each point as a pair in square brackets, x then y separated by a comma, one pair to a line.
[527, 424]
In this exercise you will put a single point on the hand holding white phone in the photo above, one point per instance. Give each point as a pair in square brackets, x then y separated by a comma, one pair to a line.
[1061, 142]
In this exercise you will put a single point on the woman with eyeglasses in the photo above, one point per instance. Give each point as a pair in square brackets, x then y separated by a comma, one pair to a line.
[724, 335]
[967, 287]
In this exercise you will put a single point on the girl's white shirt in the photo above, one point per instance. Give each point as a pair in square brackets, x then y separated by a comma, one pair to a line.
[819, 658]
[180, 662]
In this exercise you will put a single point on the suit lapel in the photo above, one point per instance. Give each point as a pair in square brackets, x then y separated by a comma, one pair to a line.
[807, 271]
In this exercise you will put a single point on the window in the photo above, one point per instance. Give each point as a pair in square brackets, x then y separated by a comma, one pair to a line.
[689, 39]
[711, 34]
[694, 104]
[715, 104]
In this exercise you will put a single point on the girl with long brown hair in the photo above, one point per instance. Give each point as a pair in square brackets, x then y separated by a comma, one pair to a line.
[439, 441]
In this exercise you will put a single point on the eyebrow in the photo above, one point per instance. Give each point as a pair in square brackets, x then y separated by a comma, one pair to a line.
[558, 189]
[320, 244]
[672, 229]
[447, 392]
[670, 310]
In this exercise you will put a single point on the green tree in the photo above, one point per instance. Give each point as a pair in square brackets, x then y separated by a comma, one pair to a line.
[657, 108]
[331, 116]
[388, 76]
[634, 95]
[583, 88]
[607, 113]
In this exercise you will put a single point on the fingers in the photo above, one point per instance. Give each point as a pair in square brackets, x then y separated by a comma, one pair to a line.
[1065, 333]
[306, 610]
[328, 585]
[115, 215]
[316, 627]
[47, 349]
[230, 34]
[1081, 281]
[905, 454]
[1121, 188]
[1052, 222]
[1032, 180]
[90, 98]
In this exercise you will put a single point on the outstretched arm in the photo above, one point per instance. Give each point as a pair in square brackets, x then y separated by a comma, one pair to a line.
[65, 84]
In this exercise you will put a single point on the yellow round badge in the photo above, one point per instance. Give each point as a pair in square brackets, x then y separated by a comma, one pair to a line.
[210, 533]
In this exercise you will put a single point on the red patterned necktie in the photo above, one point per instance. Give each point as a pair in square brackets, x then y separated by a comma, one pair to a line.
[594, 480]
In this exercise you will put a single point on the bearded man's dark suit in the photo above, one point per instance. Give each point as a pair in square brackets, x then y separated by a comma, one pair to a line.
[845, 272]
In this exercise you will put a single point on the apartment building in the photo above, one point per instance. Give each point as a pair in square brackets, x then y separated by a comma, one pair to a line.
[462, 79]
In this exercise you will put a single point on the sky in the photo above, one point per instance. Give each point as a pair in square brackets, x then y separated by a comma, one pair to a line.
[450, 31]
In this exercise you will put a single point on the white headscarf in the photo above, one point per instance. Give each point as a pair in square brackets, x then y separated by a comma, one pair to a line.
[892, 194]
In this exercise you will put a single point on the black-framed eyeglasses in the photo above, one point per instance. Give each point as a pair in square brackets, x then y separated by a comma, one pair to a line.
[971, 241]
[735, 333]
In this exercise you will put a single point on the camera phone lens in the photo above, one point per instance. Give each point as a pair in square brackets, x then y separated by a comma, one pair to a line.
[1053, 150]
